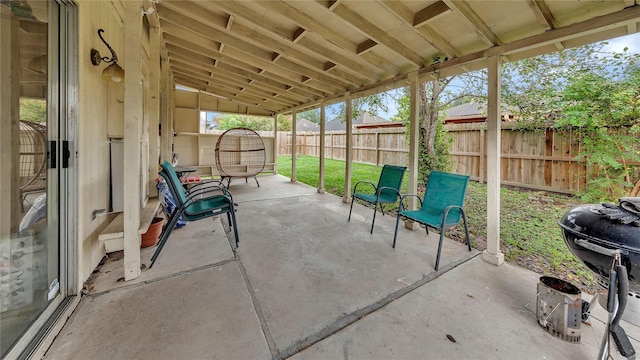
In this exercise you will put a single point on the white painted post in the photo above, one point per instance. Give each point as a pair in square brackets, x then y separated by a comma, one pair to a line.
[348, 151]
[322, 139]
[414, 146]
[293, 146]
[133, 103]
[166, 113]
[153, 109]
[275, 143]
[493, 254]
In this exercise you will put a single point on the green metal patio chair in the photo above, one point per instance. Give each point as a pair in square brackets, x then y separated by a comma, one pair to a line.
[208, 200]
[387, 191]
[441, 207]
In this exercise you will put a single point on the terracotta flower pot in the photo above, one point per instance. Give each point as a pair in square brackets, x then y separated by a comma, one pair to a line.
[150, 238]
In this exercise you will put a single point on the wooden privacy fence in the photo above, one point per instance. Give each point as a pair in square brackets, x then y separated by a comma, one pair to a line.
[542, 160]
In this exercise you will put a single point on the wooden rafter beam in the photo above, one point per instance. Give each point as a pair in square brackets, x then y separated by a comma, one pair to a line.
[314, 26]
[463, 8]
[239, 74]
[199, 44]
[365, 46]
[543, 13]
[422, 27]
[298, 34]
[275, 36]
[228, 27]
[430, 13]
[372, 31]
[241, 42]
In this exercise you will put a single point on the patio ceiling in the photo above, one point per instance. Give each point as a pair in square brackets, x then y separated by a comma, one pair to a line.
[282, 55]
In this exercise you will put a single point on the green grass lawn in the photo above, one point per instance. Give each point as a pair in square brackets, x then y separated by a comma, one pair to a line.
[531, 236]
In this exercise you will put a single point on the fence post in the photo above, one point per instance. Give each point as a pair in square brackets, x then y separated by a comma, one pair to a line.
[483, 171]
[377, 148]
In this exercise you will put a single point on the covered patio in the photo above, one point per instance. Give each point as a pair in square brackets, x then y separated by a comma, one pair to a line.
[306, 284]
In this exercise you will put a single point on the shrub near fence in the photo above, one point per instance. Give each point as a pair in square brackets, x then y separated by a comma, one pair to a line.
[543, 160]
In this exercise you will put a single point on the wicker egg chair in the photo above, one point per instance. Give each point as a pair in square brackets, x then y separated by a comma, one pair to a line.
[240, 153]
[33, 156]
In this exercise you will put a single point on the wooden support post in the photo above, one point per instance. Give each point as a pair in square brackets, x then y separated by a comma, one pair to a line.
[275, 144]
[166, 113]
[493, 254]
[322, 139]
[348, 150]
[133, 104]
[153, 109]
[414, 144]
[294, 150]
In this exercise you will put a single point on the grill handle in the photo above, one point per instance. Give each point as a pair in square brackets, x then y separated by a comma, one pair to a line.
[600, 249]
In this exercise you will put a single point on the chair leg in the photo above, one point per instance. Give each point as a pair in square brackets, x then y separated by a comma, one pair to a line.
[395, 233]
[439, 248]
[255, 177]
[375, 210]
[164, 236]
[353, 198]
[235, 225]
[466, 229]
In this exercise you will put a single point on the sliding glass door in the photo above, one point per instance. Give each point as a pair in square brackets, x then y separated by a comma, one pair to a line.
[34, 168]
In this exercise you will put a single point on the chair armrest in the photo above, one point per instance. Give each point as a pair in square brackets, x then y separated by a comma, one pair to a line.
[191, 196]
[401, 206]
[205, 185]
[446, 211]
[363, 182]
[378, 191]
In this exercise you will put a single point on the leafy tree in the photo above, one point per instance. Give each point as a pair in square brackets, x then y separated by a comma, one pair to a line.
[371, 104]
[312, 115]
[606, 115]
[596, 95]
[284, 123]
[434, 97]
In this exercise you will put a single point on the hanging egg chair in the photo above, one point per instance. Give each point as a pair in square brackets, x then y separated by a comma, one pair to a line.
[240, 153]
[33, 157]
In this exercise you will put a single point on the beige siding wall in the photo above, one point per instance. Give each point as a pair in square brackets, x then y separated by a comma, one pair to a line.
[100, 116]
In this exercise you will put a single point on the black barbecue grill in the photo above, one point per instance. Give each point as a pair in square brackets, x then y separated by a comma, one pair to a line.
[594, 232]
[606, 238]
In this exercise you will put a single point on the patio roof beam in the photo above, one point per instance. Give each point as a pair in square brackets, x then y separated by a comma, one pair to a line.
[311, 24]
[276, 73]
[241, 75]
[204, 63]
[543, 13]
[375, 33]
[420, 22]
[463, 8]
[196, 19]
[222, 94]
[336, 54]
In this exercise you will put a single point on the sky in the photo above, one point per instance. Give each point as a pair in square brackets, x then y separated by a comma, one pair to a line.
[615, 45]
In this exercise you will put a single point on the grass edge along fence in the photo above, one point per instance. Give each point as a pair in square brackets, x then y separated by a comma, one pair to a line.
[539, 160]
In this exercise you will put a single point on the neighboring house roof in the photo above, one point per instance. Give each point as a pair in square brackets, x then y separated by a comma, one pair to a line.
[472, 112]
[364, 118]
[306, 125]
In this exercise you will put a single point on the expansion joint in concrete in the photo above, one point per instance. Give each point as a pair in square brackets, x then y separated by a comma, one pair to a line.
[273, 348]
[348, 319]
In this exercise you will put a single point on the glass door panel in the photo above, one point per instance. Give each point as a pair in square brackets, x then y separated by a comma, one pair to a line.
[29, 234]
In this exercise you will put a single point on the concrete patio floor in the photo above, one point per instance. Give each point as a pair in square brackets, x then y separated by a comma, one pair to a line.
[306, 284]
